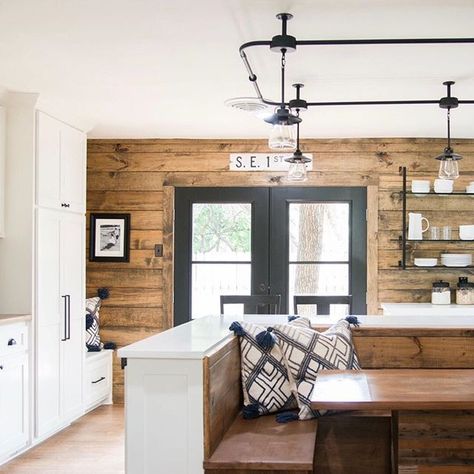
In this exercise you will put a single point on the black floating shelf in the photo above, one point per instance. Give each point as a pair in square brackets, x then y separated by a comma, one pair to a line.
[438, 194]
[432, 240]
[439, 267]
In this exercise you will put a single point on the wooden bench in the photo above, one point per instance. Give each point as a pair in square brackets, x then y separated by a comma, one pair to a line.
[233, 445]
[263, 445]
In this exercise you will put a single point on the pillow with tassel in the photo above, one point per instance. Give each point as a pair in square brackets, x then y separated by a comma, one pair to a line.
[93, 342]
[307, 352]
[265, 382]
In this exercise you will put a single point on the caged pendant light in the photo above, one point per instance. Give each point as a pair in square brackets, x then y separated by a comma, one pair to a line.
[283, 121]
[297, 169]
[448, 160]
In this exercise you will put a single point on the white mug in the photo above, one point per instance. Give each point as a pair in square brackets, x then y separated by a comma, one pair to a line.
[415, 226]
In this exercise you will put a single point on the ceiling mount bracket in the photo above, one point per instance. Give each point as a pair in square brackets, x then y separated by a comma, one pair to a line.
[448, 102]
[284, 41]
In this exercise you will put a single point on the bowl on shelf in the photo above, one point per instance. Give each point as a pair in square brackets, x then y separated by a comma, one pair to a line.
[466, 232]
[456, 259]
[425, 262]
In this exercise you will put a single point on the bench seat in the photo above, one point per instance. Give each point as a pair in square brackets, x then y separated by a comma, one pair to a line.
[263, 445]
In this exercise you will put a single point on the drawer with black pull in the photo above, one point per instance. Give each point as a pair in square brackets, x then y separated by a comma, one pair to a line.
[13, 338]
[98, 378]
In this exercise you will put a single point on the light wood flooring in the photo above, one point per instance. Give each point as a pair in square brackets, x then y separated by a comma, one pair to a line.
[94, 443]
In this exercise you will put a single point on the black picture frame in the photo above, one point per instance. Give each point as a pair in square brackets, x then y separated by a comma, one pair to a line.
[109, 237]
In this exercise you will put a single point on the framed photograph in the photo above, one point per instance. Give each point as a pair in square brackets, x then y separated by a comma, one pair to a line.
[109, 238]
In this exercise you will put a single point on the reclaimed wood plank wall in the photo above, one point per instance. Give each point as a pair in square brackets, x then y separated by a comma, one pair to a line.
[138, 176]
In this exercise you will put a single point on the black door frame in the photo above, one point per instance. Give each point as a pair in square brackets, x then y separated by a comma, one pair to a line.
[184, 198]
[279, 268]
[269, 204]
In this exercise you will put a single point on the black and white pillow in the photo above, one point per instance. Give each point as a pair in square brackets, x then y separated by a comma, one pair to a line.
[92, 324]
[307, 352]
[265, 383]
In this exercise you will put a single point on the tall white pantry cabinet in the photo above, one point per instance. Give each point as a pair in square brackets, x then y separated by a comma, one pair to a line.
[60, 256]
[42, 262]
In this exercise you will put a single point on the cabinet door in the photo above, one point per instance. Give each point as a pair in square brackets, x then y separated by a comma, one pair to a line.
[48, 169]
[72, 284]
[13, 404]
[73, 160]
[50, 314]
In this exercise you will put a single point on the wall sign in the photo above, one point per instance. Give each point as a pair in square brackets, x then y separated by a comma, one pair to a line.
[262, 162]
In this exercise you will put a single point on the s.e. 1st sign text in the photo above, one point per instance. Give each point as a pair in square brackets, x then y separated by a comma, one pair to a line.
[262, 162]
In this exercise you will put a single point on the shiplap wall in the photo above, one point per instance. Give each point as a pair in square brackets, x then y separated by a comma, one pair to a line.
[138, 176]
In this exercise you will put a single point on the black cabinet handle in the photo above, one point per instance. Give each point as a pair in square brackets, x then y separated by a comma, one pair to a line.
[65, 318]
[98, 380]
[12, 342]
[65, 204]
[68, 316]
[1, 367]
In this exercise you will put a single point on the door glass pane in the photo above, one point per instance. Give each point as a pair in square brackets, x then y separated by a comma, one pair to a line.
[317, 279]
[319, 231]
[210, 280]
[222, 232]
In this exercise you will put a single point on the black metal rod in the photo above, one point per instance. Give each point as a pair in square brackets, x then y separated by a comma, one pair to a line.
[404, 218]
[384, 41]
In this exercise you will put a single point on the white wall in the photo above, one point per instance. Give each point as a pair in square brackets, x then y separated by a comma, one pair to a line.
[16, 249]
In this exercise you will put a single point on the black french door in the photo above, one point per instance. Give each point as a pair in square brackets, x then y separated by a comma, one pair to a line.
[268, 241]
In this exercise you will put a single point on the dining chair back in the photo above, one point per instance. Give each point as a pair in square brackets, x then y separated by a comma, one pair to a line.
[323, 303]
[254, 304]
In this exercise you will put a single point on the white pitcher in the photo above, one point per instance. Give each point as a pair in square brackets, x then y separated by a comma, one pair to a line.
[415, 226]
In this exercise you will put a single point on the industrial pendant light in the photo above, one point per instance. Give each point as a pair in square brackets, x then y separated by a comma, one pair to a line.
[297, 169]
[282, 134]
[448, 166]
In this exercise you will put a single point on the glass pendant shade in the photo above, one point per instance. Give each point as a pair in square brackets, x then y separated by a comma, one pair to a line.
[297, 171]
[282, 136]
[448, 169]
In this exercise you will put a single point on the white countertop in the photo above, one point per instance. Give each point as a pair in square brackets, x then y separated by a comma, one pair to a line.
[13, 318]
[196, 338]
[427, 309]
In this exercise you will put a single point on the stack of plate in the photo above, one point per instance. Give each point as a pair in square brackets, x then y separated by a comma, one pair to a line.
[456, 259]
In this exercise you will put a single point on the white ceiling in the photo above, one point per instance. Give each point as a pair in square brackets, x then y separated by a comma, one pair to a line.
[162, 68]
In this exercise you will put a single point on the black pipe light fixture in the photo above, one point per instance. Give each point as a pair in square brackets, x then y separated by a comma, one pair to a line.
[285, 122]
[448, 160]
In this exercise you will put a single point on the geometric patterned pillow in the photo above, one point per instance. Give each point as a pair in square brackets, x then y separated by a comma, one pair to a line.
[307, 352]
[265, 382]
[92, 324]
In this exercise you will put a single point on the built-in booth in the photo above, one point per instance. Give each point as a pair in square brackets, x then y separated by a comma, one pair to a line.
[199, 364]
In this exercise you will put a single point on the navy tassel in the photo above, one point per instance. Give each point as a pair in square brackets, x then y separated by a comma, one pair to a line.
[353, 320]
[237, 329]
[103, 293]
[265, 339]
[89, 320]
[251, 411]
[292, 318]
[286, 417]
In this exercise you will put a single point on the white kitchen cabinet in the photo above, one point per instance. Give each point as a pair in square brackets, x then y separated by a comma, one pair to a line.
[59, 319]
[98, 379]
[2, 170]
[60, 165]
[14, 422]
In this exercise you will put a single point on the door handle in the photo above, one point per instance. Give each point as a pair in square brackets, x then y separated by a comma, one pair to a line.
[65, 318]
[263, 288]
[68, 316]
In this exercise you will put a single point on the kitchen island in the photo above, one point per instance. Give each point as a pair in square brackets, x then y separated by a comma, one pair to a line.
[166, 380]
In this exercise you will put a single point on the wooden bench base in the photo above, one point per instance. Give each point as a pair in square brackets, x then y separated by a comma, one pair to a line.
[263, 445]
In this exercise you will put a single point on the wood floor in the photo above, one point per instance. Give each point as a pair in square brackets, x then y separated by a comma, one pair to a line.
[94, 443]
